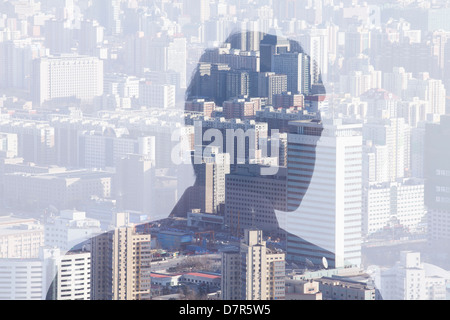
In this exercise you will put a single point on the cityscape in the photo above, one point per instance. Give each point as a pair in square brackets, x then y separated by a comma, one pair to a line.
[215, 150]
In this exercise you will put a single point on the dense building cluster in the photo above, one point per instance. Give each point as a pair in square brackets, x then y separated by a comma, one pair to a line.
[212, 149]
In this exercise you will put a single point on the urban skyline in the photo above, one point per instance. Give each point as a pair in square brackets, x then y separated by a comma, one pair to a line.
[224, 150]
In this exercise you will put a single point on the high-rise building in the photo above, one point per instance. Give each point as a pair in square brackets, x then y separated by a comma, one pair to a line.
[269, 85]
[254, 271]
[211, 173]
[297, 68]
[72, 274]
[394, 134]
[121, 265]
[67, 76]
[251, 199]
[324, 185]
[270, 45]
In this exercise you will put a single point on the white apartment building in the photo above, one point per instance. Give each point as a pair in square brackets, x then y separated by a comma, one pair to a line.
[410, 279]
[20, 238]
[22, 279]
[394, 202]
[67, 76]
[69, 229]
[73, 276]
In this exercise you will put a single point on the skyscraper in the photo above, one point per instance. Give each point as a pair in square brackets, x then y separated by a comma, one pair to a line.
[324, 175]
[297, 68]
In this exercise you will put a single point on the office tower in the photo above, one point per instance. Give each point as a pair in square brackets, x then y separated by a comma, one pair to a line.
[315, 43]
[156, 95]
[121, 265]
[297, 68]
[134, 183]
[211, 171]
[20, 238]
[72, 274]
[270, 45]
[394, 134]
[410, 279]
[113, 13]
[69, 230]
[237, 84]
[375, 164]
[254, 271]
[66, 76]
[251, 199]
[201, 105]
[269, 85]
[437, 181]
[324, 184]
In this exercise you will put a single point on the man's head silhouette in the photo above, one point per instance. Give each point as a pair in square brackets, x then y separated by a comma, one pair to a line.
[218, 74]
